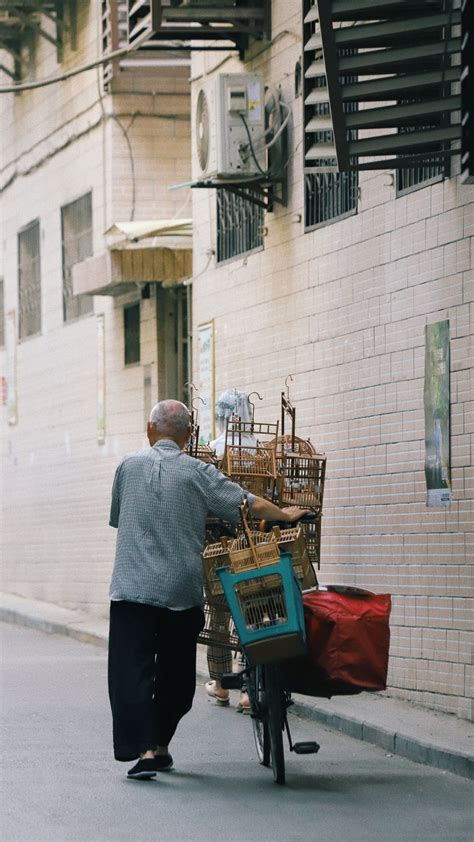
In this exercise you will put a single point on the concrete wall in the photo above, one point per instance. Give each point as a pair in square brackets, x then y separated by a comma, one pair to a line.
[343, 309]
[57, 143]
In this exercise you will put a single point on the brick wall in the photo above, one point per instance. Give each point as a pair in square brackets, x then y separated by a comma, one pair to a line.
[343, 309]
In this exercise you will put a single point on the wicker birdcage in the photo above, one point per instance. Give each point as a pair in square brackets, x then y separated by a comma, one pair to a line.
[301, 480]
[248, 458]
[219, 629]
[312, 537]
[293, 444]
[205, 454]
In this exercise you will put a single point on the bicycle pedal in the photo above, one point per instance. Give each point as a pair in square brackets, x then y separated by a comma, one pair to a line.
[306, 748]
[232, 681]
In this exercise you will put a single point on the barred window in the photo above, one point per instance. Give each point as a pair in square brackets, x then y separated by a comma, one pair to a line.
[76, 230]
[131, 330]
[328, 195]
[239, 225]
[29, 280]
[2, 314]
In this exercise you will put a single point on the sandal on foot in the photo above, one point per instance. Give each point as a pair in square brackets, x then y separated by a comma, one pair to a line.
[223, 701]
[244, 705]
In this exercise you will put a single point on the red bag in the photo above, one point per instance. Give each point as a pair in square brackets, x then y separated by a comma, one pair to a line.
[348, 639]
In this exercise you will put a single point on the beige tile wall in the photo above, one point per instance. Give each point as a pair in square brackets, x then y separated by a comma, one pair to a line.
[343, 309]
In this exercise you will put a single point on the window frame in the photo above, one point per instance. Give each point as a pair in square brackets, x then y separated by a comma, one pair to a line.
[86, 308]
[35, 282]
[127, 308]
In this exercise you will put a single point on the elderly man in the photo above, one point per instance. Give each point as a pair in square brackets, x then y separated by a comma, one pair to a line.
[160, 500]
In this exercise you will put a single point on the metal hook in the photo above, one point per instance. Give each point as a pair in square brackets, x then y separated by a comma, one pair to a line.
[253, 408]
[197, 398]
[290, 377]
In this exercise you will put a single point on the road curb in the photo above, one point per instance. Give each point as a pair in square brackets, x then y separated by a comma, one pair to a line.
[391, 741]
[9, 615]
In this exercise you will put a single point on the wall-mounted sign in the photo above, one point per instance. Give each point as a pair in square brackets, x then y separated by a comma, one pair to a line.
[437, 415]
[206, 381]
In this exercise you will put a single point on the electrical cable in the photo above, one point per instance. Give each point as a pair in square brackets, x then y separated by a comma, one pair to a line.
[244, 121]
[42, 83]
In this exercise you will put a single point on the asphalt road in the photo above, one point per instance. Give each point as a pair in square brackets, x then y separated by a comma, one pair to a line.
[61, 784]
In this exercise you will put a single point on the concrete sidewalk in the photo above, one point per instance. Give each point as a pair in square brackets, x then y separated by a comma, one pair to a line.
[399, 727]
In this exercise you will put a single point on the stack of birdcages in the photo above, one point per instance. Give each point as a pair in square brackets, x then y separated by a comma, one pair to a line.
[301, 476]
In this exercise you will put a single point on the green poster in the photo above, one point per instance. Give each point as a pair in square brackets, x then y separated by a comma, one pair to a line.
[437, 412]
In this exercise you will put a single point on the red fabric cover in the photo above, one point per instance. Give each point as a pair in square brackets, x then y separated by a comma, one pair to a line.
[348, 640]
[348, 637]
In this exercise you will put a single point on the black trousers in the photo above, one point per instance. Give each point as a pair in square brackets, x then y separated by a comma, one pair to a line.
[152, 673]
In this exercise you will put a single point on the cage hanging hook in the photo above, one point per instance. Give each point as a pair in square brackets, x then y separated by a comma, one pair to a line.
[253, 407]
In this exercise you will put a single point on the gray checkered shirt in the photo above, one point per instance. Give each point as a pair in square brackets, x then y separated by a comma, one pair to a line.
[160, 500]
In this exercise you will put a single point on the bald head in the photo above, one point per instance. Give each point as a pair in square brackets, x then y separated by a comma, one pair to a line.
[170, 420]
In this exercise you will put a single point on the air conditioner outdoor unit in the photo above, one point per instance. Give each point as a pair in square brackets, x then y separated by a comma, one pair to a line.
[230, 127]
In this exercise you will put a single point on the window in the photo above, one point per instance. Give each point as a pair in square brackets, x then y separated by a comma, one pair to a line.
[239, 225]
[328, 195]
[2, 314]
[131, 330]
[410, 177]
[76, 229]
[29, 281]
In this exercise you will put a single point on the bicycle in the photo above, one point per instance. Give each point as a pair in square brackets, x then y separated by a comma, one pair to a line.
[269, 700]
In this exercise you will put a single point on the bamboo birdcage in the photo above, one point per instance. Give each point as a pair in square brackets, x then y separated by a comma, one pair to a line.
[301, 480]
[218, 628]
[249, 459]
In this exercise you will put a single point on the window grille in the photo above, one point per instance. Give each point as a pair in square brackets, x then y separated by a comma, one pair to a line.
[239, 225]
[410, 177]
[413, 176]
[131, 330]
[328, 195]
[29, 281]
[2, 314]
[76, 229]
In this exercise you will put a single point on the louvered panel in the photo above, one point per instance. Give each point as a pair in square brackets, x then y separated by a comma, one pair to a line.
[319, 124]
[393, 31]
[409, 55]
[415, 113]
[395, 87]
[467, 93]
[321, 150]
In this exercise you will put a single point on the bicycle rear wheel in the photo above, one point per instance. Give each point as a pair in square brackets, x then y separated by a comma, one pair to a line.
[261, 734]
[275, 716]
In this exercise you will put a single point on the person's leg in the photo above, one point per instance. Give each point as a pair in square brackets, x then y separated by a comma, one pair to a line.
[175, 679]
[132, 648]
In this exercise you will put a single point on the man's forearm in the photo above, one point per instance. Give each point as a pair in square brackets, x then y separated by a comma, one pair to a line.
[265, 510]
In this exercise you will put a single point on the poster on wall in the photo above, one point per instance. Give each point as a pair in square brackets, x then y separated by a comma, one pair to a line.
[437, 415]
[206, 382]
[10, 353]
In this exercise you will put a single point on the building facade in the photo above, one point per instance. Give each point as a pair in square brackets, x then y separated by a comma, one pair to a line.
[80, 158]
[336, 286]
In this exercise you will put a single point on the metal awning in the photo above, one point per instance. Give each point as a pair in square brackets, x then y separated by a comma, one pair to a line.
[145, 252]
[381, 83]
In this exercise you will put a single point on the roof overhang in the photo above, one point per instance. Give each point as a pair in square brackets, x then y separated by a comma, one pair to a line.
[153, 251]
